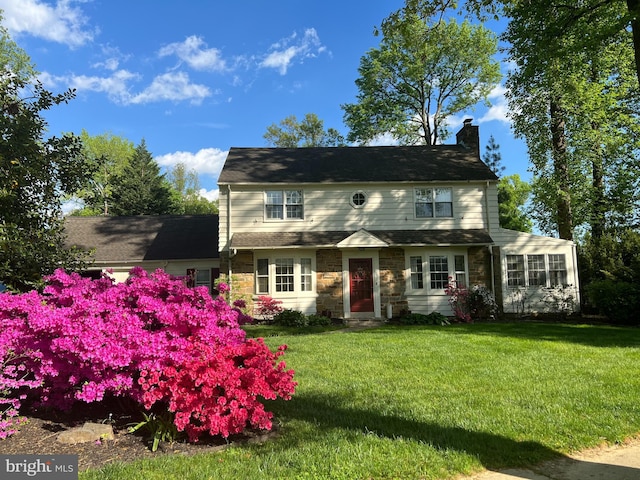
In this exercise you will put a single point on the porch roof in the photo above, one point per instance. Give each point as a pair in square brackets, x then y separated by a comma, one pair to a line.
[331, 239]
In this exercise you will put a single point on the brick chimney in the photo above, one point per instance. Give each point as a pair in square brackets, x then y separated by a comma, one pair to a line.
[468, 136]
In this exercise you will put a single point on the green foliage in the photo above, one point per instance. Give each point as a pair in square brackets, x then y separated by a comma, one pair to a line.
[186, 190]
[108, 155]
[310, 132]
[290, 318]
[318, 321]
[158, 427]
[35, 175]
[618, 300]
[140, 189]
[513, 194]
[492, 156]
[615, 255]
[424, 71]
[434, 318]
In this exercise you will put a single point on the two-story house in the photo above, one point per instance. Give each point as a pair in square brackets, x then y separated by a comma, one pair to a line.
[370, 232]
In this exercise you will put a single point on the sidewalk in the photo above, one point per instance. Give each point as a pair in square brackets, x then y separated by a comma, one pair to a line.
[619, 462]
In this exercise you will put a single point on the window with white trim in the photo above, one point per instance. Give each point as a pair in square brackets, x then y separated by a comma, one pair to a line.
[460, 272]
[417, 279]
[284, 274]
[557, 270]
[433, 202]
[537, 273]
[536, 270]
[306, 275]
[515, 271]
[434, 273]
[438, 272]
[262, 275]
[275, 275]
[283, 204]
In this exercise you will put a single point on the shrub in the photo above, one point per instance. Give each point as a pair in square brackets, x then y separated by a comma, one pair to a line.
[471, 304]
[316, 320]
[216, 391]
[434, 318]
[83, 338]
[290, 318]
[267, 307]
[619, 301]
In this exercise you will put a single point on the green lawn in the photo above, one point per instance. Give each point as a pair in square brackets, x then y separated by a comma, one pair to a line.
[433, 402]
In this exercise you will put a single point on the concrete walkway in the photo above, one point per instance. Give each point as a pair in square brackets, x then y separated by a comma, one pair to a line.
[619, 462]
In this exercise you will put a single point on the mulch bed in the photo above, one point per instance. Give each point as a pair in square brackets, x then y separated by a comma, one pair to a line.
[38, 436]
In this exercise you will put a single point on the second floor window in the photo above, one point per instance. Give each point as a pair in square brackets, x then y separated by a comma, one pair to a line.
[283, 204]
[433, 202]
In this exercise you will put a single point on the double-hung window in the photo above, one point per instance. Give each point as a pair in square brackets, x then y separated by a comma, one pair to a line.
[283, 204]
[276, 275]
[557, 270]
[433, 202]
[434, 272]
[439, 272]
[417, 279]
[515, 270]
[536, 270]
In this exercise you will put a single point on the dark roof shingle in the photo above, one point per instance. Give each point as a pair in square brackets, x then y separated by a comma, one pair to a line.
[145, 237]
[353, 164]
[331, 239]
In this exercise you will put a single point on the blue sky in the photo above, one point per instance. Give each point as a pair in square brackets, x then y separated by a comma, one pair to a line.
[196, 77]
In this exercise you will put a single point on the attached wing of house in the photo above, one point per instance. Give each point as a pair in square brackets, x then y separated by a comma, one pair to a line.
[178, 244]
[369, 232]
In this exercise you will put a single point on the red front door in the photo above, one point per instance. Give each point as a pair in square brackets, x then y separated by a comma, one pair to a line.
[361, 284]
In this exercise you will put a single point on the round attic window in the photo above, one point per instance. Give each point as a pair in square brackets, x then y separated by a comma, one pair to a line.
[358, 199]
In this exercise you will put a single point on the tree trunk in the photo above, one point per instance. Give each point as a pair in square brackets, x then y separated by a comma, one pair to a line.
[561, 169]
[634, 11]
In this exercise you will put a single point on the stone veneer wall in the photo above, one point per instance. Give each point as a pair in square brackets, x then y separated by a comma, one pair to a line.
[242, 275]
[479, 266]
[329, 283]
[392, 281]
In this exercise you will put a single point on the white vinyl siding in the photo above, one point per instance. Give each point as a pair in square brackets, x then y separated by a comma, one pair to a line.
[329, 207]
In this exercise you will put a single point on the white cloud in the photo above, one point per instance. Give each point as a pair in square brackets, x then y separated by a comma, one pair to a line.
[116, 86]
[63, 23]
[173, 86]
[499, 109]
[205, 161]
[291, 49]
[195, 53]
[210, 195]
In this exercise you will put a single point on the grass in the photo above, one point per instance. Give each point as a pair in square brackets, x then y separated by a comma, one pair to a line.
[433, 402]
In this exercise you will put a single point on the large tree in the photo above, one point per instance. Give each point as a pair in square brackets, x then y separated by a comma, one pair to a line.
[310, 132]
[425, 70]
[141, 189]
[35, 173]
[186, 189]
[108, 154]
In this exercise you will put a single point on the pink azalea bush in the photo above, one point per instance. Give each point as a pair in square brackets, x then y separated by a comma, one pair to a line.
[216, 391]
[88, 338]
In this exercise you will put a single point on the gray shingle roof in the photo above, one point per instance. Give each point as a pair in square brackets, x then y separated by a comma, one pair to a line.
[145, 237]
[353, 164]
[332, 238]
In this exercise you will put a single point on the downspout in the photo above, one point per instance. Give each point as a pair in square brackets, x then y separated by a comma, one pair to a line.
[490, 247]
[229, 269]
